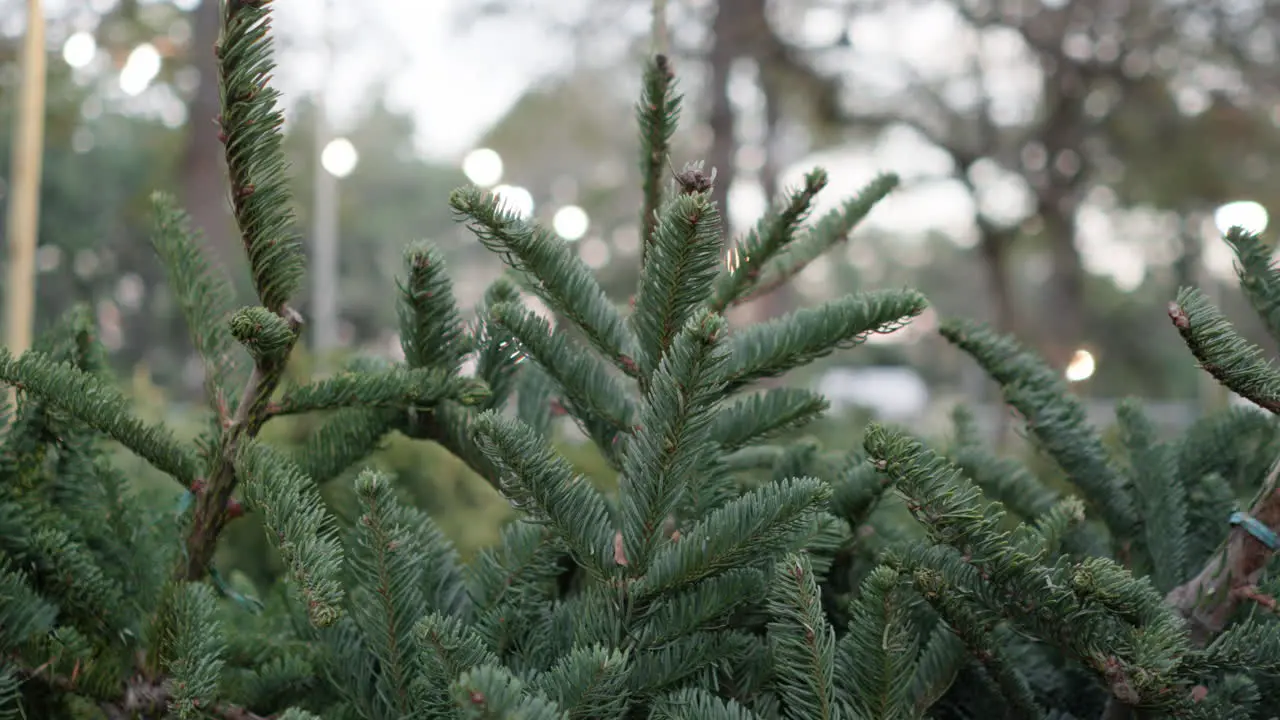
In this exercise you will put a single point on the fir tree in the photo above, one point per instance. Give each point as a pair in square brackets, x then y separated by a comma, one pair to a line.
[734, 574]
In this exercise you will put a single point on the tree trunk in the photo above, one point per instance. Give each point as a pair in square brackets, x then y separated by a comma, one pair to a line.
[1065, 301]
[993, 246]
[724, 50]
[203, 171]
[779, 301]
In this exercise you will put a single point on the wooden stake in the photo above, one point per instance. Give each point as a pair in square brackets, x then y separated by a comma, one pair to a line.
[24, 188]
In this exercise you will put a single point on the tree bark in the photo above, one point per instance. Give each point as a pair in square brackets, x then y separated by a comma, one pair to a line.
[724, 50]
[993, 246]
[781, 300]
[1064, 295]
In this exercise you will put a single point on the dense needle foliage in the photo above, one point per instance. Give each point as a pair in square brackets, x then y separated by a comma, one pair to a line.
[733, 575]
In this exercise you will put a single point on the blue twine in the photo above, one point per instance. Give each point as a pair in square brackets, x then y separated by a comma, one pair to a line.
[1260, 532]
[249, 603]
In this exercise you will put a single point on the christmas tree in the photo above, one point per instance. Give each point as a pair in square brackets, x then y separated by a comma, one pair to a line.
[733, 575]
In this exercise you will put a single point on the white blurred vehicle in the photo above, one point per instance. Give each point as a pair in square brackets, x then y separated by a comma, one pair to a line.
[893, 393]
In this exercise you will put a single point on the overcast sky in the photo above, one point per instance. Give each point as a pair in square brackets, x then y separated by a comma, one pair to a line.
[456, 84]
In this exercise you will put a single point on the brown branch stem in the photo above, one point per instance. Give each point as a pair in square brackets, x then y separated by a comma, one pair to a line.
[213, 506]
[1208, 600]
[140, 696]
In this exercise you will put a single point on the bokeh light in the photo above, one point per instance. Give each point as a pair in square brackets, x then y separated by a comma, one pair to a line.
[1081, 367]
[570, 222]
[140, 69]
[483, 167]
[1247, 214]
[339, 157]
[515, 199]
[79, 49]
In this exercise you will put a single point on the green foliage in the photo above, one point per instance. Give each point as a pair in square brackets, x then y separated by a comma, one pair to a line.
[720, 577]
[251, 124]
[206, 300]
[657, 113]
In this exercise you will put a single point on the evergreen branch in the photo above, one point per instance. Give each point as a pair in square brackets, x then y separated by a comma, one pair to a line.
[205, 299]
[450, 425]
[24, 614]
[1229, 443]
[558, 276]
[802, 643]
[878, 653]
[395, 388]
[590, 683]
[430, 328]
[298, 523]
[71, 575]
[677, 275]
[965, 432]
[527, 559]
[1160, 495]
[251, 123]
[758, 526]
[772, 235]
[658, 114]
[940, 661]
[672, 448]
[773, 348]
[1252, 643]
[269, 337]
[1080, 607]
[1229, 358]
[444, 585]
[197, 648]
[384, 565]
[100, 406]
[980, 638]
[345, 438]
[1209, 600]
[951, 508]
[833, 229]
[857, 491]
[491, 692]
[828, 540]
[497, 357]
[541, 482]
[662, 669]
[698, 607]
[698, 704]
[534, 404]
[1259, 277]
[1051, 528]
[10, 691]
[1055, 416]
[758, 457]
[765, 415]
[592, 395]
[448, 648]
[1006, 481]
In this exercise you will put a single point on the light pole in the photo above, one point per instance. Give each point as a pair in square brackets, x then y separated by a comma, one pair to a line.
[338, 157]
[324, 210]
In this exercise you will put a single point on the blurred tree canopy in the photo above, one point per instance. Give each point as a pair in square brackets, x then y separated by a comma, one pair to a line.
[1066, 127]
